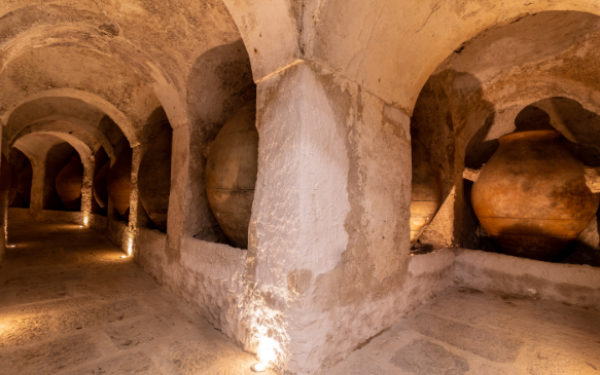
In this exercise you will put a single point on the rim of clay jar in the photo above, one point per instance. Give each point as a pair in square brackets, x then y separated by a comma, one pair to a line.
[538, 134]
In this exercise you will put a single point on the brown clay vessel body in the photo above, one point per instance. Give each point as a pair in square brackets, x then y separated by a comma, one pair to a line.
[426, 191]
[68, 183]
[118, 183]
[531, 196]
[100, 191]
[231, 171]
[155, 177]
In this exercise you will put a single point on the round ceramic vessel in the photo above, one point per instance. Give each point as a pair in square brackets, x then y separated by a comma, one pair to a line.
[100, 191]
[118, 183]
[532, 197]
[231, 171]
[68, 183]
[154, 177]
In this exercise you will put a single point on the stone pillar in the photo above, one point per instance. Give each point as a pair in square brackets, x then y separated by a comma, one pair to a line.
[180, 190]
[134, 203]
[87, 194]
[300, 205]
[37, 187]
[329, 234]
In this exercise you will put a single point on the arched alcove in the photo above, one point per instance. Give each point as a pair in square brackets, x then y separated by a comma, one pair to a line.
[567, 117]
[154, 176]
[224, 71]
[473, 98]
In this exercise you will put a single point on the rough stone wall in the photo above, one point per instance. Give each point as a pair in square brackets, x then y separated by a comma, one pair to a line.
[208, 277]
[328, 264]
[571, 284]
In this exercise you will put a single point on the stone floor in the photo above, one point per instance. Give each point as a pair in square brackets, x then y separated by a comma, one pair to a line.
[69, 304]
[469, 332]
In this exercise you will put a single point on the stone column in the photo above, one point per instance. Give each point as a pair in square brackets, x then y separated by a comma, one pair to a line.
[180, 189]
[329, 234]
[300, 205]
[87, 194]
[37, 186]
[134, 203]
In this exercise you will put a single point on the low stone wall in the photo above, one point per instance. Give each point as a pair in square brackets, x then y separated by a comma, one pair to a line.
[568, 283]
[67, 216]
[15, 213]
[93, 221]
[428, 275]
[97, 223]
[206, 275]
[117, 232]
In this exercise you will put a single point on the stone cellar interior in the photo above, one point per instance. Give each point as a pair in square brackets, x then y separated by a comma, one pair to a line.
[300, 187]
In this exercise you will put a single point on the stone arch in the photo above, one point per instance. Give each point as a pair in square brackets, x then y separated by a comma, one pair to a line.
[378, 54]
[83, 148]
[114, 113]
[532, 91]
[122, 51]
[163, 68]
[92, 137]
[487, 91]
[66, 23]
[271, 31]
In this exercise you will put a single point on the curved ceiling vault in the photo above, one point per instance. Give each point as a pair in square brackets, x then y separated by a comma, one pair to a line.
[376, 43]
[505, 69]
[71, 64]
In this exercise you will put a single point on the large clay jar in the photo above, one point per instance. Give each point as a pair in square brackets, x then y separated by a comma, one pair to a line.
[155, 177]
[231, 171]
[68, 183]
[100, 190]
[531, 197]
[426, 191]
[119, 182]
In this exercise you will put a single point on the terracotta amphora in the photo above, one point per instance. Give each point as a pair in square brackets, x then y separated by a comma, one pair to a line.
[68, 183]
[426, 191]
[118, 183]
[154, 177]
[100, 190]
[532, 197]
[230, 176]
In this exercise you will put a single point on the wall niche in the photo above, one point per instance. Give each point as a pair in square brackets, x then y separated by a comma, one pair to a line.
[154, 178]
[560, 211]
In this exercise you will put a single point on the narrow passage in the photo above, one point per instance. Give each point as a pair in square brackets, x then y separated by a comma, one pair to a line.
[70, 304]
